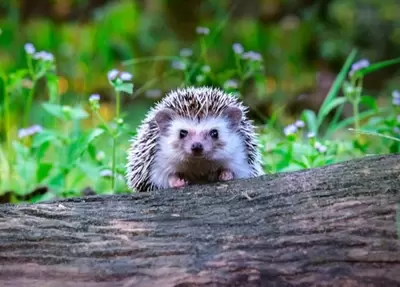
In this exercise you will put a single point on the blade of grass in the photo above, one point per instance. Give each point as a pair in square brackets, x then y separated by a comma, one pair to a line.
[335, 88]
[375, 134]
[148, 59]
[376, 66]
[350, 120]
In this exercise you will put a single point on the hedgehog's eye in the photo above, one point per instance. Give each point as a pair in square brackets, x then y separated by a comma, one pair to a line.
[214, 134]
[182, 134]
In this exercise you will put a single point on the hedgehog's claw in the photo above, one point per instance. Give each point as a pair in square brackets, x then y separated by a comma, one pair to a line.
[226, 175]
[175, 181]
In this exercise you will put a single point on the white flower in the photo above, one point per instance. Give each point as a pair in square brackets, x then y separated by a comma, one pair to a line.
[111, 75]
[299, 124]
[320, 147]
[153, 94]
[29, 131]
[29, 48]
[43, 55]
[178, 65]
[125, 76]
[396, 98]
[311, 135]
[290, 129]
[200, 78]
[105, 173]
[253, 56]
[94, 98]
[363, 63]
[237, 48]
[202, 30]
[231, 84]
[100, 155]
[205, 69]
[186, 52]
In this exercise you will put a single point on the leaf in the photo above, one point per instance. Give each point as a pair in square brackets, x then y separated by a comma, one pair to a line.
[54, 110]
[65, 112]
[43, 137]
[335, 88]
[311, 120]
[125, 87]
[376, 66]
[375, 134]
[52, 85]
[92, 151]
[330, 106]
[43, 171]
[350, 120]
[57, 182]
[79, 146]
[369, 102]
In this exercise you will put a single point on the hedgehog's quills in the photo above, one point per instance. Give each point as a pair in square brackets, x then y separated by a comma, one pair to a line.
[193, 136]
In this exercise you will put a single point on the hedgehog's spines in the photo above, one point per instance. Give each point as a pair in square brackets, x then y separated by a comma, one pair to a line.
[190, 102]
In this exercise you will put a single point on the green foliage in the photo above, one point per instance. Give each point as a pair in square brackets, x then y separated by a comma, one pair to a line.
[69, 139]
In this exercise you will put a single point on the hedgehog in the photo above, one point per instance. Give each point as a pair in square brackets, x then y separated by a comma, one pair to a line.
[194, 135]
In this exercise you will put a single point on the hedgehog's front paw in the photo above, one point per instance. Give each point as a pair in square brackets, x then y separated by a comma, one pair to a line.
[226, 175]
[175, 181]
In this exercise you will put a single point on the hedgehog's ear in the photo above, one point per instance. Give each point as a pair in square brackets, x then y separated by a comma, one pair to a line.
[163, 118]
[234, 116]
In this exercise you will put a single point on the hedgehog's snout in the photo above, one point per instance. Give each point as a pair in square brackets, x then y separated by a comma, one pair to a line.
[197, 148]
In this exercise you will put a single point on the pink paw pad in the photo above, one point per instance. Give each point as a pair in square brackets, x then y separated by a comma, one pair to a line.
[226, 175]
[176, 182]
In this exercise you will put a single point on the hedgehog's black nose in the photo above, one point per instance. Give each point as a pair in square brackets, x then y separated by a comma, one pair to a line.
[197, 148]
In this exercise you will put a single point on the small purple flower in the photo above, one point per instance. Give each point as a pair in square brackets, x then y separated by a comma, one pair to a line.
[94, 98]
[202, 30]
[186, 52]
[200, 78]
[311, 135]
[320, 147]
[153, 94]
[43, 55]
[363, 63]
[205, 69]
[29, 48]
[125, 76]
[100, 155]
[111, 75]
[29, 131]
[237, 48]
[178, 65]
[253, 56]
[231, 84]
[396, 98]
[290, 129]
[299, 124]
[106, 173]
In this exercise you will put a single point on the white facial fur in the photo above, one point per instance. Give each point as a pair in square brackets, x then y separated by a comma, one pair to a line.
[227, 151]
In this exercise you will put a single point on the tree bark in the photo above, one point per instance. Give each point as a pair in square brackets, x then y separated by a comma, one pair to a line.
[330, 226]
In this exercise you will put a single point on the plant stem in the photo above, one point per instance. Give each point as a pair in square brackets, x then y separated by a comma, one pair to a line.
[113, 163]
[29, 104]
[114, 149]
[7, 126]
[356, 102]
[117, 104]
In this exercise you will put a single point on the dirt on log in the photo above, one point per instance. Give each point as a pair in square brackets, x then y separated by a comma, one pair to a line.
[331, 226]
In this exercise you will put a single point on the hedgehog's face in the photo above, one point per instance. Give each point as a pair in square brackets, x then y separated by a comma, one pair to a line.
[207, 138]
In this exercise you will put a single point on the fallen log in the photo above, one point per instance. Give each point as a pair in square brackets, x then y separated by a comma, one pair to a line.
[330, 226]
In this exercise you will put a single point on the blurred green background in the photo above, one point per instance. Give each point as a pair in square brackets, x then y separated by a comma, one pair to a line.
[303, 42]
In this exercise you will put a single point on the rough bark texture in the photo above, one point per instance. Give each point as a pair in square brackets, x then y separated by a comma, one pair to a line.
[332, 226]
